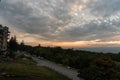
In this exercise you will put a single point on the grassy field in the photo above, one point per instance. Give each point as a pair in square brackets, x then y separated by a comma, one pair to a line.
[19, 70]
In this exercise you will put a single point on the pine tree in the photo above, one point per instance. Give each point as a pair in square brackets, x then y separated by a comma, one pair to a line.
[13, 44]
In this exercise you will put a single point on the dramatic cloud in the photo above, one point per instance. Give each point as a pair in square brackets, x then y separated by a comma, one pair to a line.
[63, 20]
[104, 7]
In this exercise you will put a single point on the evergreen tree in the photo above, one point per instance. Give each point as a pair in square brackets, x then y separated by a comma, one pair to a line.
[22, 46]
[13, 44]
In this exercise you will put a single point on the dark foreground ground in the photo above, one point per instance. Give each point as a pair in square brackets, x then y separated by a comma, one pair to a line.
[25, 69]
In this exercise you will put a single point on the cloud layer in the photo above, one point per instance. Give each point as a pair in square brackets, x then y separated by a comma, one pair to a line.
[63, 20]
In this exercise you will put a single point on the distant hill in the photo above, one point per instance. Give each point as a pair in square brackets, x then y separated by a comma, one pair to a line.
[102, 49]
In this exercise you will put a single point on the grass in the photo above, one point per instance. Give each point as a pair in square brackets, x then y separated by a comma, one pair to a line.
[26, 61]
[28, 72]
[25, 69]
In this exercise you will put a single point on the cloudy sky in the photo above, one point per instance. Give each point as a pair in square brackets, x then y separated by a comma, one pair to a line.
[66, 23]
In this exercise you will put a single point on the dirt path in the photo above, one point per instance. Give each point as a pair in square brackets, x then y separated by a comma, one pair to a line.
[72, 74]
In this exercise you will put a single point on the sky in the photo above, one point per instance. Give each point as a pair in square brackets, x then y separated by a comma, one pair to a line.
[65, 23]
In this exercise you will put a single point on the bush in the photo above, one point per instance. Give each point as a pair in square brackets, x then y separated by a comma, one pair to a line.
[102, 68]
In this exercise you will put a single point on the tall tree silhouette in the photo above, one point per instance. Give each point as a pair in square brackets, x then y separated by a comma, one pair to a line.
[22, 46]
[13, 44]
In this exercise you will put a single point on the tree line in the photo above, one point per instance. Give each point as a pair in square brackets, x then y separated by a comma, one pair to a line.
[90, 65]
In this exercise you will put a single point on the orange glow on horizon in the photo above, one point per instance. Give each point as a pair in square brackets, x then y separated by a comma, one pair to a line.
[80, 44]
[34, 40]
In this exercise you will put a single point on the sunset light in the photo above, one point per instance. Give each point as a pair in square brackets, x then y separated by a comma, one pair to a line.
[65, 23]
